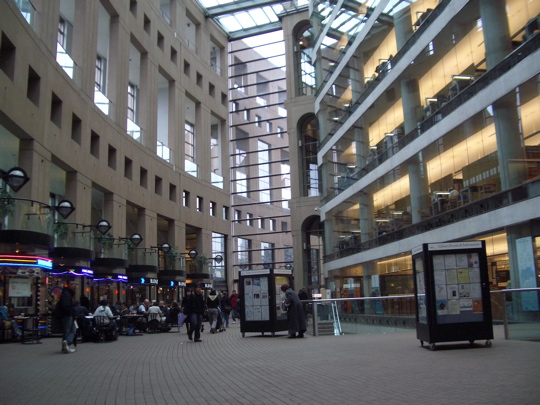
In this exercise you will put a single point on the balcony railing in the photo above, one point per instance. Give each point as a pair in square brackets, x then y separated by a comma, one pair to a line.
[28, 215]
[27, 10]
[163, 151]
[68, 235]
[483, 82]
[65, 61]
[496, 201]
[517, 309]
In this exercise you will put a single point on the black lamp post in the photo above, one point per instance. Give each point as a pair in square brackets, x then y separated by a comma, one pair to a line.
[15, 178]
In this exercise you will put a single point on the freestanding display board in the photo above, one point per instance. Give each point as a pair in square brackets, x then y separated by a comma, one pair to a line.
[260, 300]
[452, 293]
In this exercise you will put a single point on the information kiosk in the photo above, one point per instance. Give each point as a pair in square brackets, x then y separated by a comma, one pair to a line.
[452, 293]
[260, 300]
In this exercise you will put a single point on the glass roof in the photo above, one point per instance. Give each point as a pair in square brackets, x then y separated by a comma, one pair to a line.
[244, 18]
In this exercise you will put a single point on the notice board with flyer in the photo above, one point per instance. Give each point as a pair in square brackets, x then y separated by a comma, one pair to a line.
[452, 292]
[260, 300]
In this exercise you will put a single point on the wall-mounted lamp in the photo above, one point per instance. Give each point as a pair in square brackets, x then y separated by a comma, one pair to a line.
[164, 247]
[15, 178]
[64, 208]
[136, 239]
[193, 254]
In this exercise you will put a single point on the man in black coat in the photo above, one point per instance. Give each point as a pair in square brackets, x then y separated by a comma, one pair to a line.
[65, 309]
[196, 308]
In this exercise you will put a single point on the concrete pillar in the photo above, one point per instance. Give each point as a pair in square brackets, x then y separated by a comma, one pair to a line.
[84, 44]
[36, 161]
[118, 76]
[115, 213]
[403, 26]
[147, 101]
[147, 227]
[418, 186]
[79, 192]
[498, 45]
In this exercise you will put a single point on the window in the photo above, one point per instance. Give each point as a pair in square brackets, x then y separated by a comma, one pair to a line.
[258, 120]
[246, 115]
[99, 80]
[213, 209]
[185, 198]
[190, 141]
[225, 213]
[61, 37]
[280, 132]
[235, 106]
[249, 219]
[132, 102]
[273, 225]
[243, 255]
[267, 255]
[261, 222]
[264, 171]
[200, 202]
[269, 126]
[239, 74]
[237, 215]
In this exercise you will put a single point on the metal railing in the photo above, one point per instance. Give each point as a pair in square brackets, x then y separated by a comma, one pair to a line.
[517, 309]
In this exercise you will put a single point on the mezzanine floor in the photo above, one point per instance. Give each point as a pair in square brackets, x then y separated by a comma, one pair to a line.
[225, 368]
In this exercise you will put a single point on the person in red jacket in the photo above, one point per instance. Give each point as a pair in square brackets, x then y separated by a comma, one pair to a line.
[234, 311]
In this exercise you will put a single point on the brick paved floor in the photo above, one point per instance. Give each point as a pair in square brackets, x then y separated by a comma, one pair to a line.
[228, 369]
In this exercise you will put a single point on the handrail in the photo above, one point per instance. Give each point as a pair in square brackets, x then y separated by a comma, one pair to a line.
[333, 302]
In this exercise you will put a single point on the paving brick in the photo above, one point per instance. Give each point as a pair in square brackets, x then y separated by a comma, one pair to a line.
[227, 368]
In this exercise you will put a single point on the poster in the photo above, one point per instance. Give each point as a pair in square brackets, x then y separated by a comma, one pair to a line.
[458, 288]
[20, 287]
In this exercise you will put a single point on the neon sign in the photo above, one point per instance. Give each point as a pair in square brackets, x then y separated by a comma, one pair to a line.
[26, 261]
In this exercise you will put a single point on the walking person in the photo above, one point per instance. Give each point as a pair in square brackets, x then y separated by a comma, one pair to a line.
[212, 303]
[65, 310]
[184, 308]
[234, 306]
[226, 308]
[196, 310]
[296, 321]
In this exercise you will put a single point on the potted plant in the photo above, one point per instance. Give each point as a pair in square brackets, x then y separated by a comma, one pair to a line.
[200, 261]
[60, 229]
[7, 204]
[106, 241]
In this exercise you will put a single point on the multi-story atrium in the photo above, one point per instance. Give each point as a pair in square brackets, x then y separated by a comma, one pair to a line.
[324, 137]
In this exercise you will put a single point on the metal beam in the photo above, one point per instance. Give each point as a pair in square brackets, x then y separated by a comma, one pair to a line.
[236, 6]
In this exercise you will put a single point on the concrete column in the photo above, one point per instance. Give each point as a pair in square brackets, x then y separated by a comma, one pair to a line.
[48, 12]
[115, 213]
[498, 45]
[36, 161]
[403, 26]
[84, 44]
[366, 216]
[118, 76]
[79, 192]
[147, 227]
[418, 186]
[147, 101]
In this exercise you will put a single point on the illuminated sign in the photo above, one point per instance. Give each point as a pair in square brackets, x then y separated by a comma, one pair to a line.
[84, 272]
[111, 277]
[144, 280]
[26, 261]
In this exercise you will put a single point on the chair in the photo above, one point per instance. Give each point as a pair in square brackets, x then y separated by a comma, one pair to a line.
[103, 329]
[153, 323]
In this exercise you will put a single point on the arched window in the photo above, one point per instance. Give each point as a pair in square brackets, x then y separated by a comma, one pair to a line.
[309, 136]
[304, 70]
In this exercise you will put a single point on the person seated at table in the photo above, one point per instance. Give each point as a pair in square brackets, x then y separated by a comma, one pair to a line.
[154, 309]
[127, 322]
[104, 311]
[81, 312]
[172, 316]
[5, 315]
[164, 309]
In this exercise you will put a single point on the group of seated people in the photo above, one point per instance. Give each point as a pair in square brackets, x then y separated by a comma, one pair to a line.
[120, 317]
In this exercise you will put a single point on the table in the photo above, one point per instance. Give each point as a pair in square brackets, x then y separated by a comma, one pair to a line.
[29, 329]
[131, 319]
